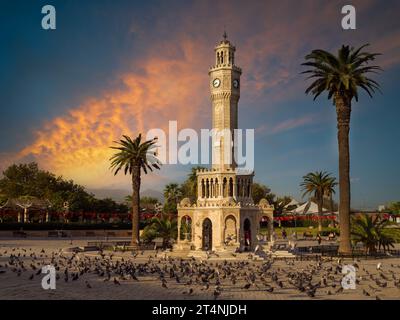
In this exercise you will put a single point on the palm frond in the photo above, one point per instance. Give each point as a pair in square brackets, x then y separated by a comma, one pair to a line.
[341, 74]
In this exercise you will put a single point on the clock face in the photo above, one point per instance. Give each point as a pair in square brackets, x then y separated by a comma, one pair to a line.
[236, 83]
[216, 83]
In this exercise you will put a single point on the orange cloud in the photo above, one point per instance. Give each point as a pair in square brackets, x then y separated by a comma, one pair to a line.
[172, 83]
[77, 144]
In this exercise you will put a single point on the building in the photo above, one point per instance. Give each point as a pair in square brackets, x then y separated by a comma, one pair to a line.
[224, 214]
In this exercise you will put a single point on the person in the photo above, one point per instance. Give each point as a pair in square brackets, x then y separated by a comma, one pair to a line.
[273, 236]
[284, 234]
[319, 239]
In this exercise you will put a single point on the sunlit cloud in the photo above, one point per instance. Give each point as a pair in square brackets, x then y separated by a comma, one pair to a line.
[170, 81]
[77, 144]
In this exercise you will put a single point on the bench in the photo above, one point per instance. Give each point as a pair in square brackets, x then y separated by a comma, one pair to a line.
[90, 234]
[19, 234]
[52, 234]
[308, 235]
[56, 234]
[158, 243]
[111, 234]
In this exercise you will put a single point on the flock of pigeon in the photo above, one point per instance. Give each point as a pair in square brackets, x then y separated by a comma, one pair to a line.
[317, 278]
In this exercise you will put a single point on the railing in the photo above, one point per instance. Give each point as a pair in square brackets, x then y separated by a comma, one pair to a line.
[332, 251]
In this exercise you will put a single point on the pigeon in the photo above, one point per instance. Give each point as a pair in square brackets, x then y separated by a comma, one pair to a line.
[269, 289]
[217, 292]
[188, 292]
[247, 286]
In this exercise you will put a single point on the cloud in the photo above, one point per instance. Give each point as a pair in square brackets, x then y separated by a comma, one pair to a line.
[286, 125]
[77, 143]
[169, 81]
[291, 124]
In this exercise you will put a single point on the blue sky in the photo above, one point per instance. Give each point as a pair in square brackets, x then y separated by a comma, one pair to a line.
[114, 67]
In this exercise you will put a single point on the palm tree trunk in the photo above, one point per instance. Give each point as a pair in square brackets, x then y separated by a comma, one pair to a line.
[135, 206]
[343, 111]
[320, 204]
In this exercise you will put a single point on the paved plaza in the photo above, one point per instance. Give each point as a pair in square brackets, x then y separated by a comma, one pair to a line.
[165, 276]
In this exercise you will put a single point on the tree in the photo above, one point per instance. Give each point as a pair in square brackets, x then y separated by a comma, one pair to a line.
[341, 76]
[25, 202]
[259, 191]
[146, 203]
[3, 199]
[394, 207]
[22, 181]
[164, 227]
[189, 186]
[172, 195]
[280, 204]
[318, 184]
[132, 157]
[370, 230]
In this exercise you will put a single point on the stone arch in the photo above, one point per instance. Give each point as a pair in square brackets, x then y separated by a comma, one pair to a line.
[265, 227]
[230, 230]
[247, 234]
[264, 221]
[185, 232]
[203, 189]
[230, 187]
[224, 187]
[207, 234]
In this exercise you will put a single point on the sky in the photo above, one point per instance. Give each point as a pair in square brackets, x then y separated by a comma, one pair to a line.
[124, 67]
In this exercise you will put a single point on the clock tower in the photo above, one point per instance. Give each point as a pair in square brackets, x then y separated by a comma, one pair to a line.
[222, 216]
[225, 94]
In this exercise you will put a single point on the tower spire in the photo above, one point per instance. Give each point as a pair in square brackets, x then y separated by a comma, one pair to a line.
[225, 36]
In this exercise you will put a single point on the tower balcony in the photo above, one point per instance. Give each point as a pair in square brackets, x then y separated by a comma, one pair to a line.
[226, 66]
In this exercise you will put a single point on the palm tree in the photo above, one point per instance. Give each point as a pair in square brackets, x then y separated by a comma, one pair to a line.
[318, 184]
[133, 156]
[164, 227]
[341, 77]
[189, 186]
[370, 231]
[172, 193]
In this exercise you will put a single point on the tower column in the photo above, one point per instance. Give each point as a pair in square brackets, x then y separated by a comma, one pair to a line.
[179, 229]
